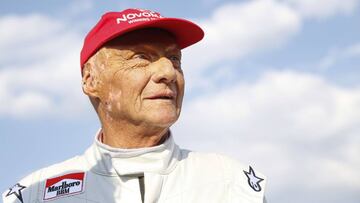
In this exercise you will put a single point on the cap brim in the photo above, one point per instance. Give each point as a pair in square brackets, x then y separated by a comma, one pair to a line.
[185, 32]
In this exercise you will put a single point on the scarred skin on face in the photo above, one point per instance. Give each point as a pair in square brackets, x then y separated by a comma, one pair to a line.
[136, 85]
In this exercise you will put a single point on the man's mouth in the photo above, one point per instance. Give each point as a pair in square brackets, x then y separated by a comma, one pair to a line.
[167, 95]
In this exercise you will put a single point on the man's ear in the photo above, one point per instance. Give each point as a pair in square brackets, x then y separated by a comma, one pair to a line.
[90, 85]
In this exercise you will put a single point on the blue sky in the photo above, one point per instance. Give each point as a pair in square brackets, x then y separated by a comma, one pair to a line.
[274, 83]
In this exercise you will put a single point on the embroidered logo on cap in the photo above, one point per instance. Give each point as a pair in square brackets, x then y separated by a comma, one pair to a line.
[140, 15]
[65, 185]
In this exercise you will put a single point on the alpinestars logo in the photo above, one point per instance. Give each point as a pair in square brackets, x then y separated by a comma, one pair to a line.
[16, 190]
[253, 180]
[65, 185]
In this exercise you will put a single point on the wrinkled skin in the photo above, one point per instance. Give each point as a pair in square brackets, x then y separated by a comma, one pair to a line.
[126, 81]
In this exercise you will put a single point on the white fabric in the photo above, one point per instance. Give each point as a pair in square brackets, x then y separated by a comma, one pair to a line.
[170, 175]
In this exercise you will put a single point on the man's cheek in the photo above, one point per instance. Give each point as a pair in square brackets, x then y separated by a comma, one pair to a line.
[113, 98]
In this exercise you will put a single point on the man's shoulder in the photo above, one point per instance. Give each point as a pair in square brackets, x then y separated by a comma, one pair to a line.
[31, 185]
[216, 160]
[241, 178]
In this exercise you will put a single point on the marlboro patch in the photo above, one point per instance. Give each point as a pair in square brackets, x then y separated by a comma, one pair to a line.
[65, 185]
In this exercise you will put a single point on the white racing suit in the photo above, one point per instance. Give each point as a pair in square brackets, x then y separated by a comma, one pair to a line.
[160, 174]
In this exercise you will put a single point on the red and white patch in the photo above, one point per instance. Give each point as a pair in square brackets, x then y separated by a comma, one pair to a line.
[65, 185]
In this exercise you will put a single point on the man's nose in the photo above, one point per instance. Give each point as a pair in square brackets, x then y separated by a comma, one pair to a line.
[164, 71]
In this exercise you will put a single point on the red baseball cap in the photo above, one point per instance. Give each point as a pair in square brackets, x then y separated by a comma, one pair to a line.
[114, 24]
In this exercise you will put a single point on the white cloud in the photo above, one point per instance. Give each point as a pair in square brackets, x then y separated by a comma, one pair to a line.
[316, 107]
[22, 29]
[323, 8]
[290, 124]
[237, 29]
[337, 55]
[30, 104]
[353, 50]
[40, 74]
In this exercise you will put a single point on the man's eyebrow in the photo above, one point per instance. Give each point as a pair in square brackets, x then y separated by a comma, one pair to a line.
[119, 53]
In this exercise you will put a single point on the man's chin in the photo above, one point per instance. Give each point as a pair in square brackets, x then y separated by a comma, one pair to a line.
[163, 120]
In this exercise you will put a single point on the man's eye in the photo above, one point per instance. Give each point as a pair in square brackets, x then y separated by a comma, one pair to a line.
[175, 58]
[141, 56]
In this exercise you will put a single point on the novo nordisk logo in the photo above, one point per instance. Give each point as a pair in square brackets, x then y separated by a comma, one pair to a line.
[64, 188]
[134, 17]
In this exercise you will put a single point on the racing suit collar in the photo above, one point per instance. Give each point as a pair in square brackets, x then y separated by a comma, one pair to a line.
[106, 160]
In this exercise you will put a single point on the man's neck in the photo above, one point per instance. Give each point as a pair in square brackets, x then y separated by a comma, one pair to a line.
[126, 136]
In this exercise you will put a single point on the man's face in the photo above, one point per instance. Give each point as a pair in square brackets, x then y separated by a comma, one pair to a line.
[141, 81]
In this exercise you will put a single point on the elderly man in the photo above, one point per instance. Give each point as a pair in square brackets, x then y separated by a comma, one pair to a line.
[131, 71]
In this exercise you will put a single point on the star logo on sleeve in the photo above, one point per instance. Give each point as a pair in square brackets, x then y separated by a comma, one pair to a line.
[16, 190]
[253, 180]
